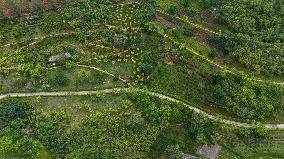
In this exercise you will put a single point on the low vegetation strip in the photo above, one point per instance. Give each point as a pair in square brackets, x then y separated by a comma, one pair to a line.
[161, 96]
[210, 61]
[101, 70]
[185, 20]
[35, 40]
[83, 66]
[190, 23]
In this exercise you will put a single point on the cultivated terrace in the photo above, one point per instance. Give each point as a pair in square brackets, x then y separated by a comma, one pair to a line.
[161, 79]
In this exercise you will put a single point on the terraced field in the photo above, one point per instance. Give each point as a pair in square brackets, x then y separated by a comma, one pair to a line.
[137, 79]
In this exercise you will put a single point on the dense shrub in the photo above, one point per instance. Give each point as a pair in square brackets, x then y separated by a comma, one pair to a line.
[177, 32]
[185, 3]
[112, 139]
[11, 109]
[257, 28]
[60, 79]
[50, 128]
[259, 130]
[30, 70]
[146, 68]
[243, 97]
[106, 134]
[173, 9]
[213, 53]
[146, 106]
[206, 3]
[30, 148]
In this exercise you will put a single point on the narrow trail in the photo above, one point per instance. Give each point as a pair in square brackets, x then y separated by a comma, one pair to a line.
[190, 23]
[103, 71]
[198, 26]
[212, 62]
[93, 68]
[35, 40]
[202, 56]
[82, 66]
[161, 96]
[43, 37]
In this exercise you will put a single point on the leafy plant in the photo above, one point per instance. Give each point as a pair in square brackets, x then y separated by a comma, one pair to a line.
[213, 53]
[173, 9]
[11, 109]
[186, 3]
[60, 79]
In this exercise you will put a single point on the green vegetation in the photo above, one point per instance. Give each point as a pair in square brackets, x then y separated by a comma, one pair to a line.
[108, 125]
[258, 36]
[19, 8]
[246, 99]
[72, 131]
[197, 72]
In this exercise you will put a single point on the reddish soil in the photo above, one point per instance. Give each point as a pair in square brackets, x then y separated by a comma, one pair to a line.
[162, 20]
[180, 13]
[209, 17]
[170, 59]
[8, 11]
[202, 36]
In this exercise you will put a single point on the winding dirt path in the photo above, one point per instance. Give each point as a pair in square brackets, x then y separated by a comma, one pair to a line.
[35, 40]
[103, 71]
[230, 70]
[204, 57]
[82, 66]
[43, 37]
[161, 96]
[190, 23]
[198, 26]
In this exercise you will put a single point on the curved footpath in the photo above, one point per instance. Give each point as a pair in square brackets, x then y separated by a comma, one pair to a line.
[82, 66]
[36, 40]
[43, 37]
[161, 96]
[230, 70]
[198, 54]
[191, 23]
[103, 71]
[198, 26]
